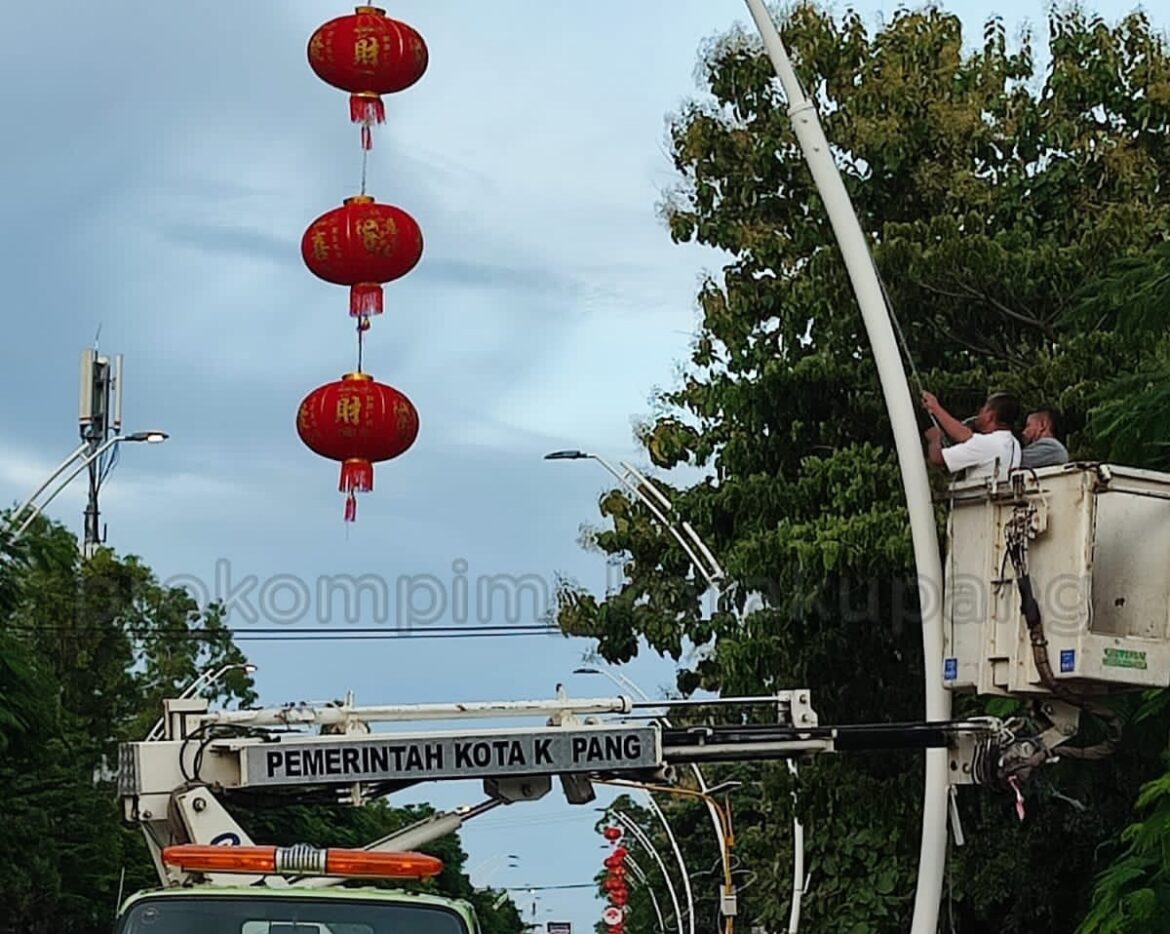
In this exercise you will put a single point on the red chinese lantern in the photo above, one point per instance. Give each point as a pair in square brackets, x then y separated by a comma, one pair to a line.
[357, 421]
[368, 54]
[362, 244]
[612, 833]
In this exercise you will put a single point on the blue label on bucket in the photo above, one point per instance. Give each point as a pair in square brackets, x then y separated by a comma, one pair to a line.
[950, 669]
[1068, 660]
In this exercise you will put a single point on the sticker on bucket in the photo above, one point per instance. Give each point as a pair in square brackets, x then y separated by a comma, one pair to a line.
[1068, 660]
[1125, 658]
[950, 669]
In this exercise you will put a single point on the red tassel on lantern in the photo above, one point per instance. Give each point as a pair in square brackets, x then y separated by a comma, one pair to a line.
[367, 109]
[365, 299]
[357, 476]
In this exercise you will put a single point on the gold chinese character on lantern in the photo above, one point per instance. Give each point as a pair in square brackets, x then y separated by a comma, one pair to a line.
[403, 416]
[349, 410]
[371, 233]
[320, 245]
[365, 51]
[317, 47]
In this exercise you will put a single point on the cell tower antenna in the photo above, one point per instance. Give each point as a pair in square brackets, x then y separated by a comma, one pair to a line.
[100, 415]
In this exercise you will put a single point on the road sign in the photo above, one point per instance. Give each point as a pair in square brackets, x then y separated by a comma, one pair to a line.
[612, 915]
[428, 756]
[559, 927]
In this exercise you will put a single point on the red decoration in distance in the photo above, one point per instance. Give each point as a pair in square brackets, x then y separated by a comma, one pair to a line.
[357, 421]
[612, 833]
[368, 54]
[362, 244]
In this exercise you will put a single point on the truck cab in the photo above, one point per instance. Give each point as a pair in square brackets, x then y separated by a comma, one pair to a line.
[205, 909]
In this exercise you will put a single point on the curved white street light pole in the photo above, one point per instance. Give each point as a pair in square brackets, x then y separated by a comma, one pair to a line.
[656, 502]
[210, 676]
[867, 287]
[15, 516]
[640, 875]
[686, 873]
[151, 437]
[648, 846]
[798, 880]
[621, 681]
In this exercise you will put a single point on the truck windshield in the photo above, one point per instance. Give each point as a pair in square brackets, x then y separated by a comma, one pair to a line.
[300, 915]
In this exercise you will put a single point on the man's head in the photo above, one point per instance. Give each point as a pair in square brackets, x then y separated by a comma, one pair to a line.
[1042, 423]
[1000, 411]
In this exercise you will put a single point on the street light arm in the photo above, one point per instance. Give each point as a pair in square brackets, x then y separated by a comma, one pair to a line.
[640, 875]
[151, 437]
[15, 516]
[64, 483]
[208, 676]
[648, 845]
[656, 511]
[701, 546]
[682, 865]
[711, 577]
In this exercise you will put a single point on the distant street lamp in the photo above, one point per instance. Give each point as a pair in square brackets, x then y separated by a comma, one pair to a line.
[148, 437]
[655, 500]
[208, 677]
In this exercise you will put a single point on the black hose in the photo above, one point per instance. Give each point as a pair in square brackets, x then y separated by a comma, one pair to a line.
[1031, 610]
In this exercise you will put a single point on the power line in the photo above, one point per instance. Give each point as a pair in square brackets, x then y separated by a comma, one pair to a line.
[545, 888]
[313, 635]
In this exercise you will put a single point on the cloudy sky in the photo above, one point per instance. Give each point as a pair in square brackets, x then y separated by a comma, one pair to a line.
[162, 162]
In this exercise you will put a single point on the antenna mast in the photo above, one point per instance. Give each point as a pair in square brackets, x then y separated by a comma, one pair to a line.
[100, 415]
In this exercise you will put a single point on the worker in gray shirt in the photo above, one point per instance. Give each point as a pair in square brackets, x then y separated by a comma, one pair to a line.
[1041, 446]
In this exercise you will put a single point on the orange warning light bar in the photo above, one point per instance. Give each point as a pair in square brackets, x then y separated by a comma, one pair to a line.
[302, 860]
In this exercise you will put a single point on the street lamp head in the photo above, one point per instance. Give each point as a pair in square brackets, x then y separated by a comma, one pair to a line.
[566, 456]
[150, 437]
[586, 671]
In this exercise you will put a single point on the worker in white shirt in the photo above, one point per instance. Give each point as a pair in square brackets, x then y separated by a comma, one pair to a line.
[989, 449]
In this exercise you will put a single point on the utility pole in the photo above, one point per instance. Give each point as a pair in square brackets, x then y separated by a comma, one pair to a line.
[100, 415]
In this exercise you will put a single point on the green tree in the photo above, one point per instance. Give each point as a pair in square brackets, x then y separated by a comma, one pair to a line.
[90, 649]
[1131, 423]
[992, 194]
[1130, 420]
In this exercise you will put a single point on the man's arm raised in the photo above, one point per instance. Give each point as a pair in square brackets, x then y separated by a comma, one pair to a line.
[955, 429]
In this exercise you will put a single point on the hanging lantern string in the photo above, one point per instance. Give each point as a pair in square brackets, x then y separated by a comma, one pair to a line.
[365, 163]
[361, 332]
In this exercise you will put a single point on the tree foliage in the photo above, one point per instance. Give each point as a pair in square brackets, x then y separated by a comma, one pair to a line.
[993, 193]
